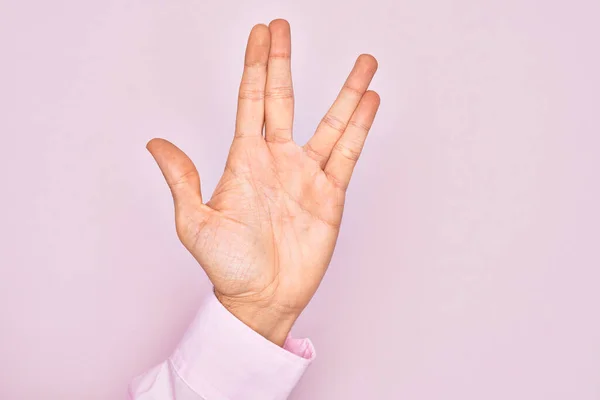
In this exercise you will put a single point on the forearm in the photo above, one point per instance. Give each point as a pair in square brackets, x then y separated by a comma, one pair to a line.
[220, 357]
[270, 320]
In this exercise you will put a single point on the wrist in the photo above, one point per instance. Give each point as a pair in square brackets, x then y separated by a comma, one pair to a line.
[267, 319]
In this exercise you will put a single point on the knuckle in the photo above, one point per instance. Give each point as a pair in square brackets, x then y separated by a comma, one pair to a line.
[280, 55]
[351, 91]
[313, 153]
[337, 183]
[334, 123]
[280, 92]
[255, 64]
[183, 179]
[363, 127]
[252, 94]
[243, 134]
[348, 152]
[278, 135]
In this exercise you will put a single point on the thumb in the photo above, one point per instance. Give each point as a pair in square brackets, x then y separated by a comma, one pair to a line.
[184, 182]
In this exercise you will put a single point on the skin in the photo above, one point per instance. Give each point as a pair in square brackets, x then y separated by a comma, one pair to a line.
[267, 235]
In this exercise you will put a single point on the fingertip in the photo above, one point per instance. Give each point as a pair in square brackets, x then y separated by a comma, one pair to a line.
[368, 61]
[279, 24]
[152, 143]
[153, 140]
[259, 42]
[259, 27]
[281, 46]
[372, 97]
[260, 33]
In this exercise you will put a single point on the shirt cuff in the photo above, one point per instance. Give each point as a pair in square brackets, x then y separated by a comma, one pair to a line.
[220, 357]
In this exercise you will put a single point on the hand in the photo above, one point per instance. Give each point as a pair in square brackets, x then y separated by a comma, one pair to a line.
[267, 235]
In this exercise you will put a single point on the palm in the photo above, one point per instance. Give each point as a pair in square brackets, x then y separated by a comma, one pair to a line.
[279, 199]
[268, 232]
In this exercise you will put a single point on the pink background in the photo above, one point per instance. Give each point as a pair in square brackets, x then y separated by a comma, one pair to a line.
[468, 264]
